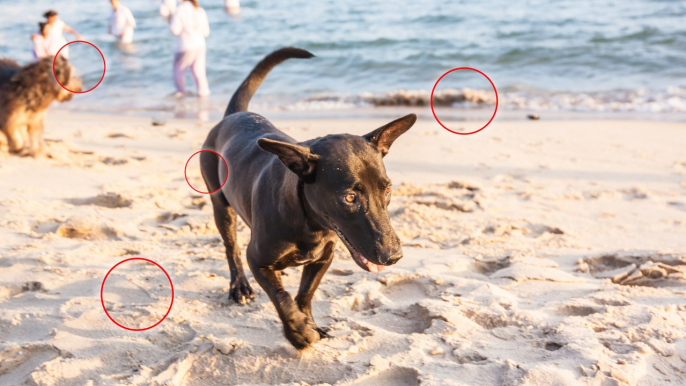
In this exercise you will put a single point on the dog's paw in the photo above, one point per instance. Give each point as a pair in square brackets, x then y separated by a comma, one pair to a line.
[299, 331]
[240, 291]
[36, 153]
[23, 152]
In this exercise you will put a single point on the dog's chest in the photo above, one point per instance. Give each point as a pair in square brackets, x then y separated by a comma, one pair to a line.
[303, 257]
[304, 253]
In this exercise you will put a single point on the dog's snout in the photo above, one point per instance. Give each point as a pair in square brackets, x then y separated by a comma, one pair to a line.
[388, 249]
[390, 257]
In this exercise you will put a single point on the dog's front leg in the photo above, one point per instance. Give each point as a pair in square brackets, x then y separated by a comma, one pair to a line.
[3, 140]
[35, 136]
[311, 277]
[296, 324]
[14, 130]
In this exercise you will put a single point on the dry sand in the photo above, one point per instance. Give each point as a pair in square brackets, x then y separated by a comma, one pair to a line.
[536, 253]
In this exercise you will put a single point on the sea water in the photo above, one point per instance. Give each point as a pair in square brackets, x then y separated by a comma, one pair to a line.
[565, 55]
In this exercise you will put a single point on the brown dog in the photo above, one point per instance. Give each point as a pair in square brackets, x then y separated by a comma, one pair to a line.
[25, 95]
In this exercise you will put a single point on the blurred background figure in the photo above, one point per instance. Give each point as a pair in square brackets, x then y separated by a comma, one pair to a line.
[122, 22]
[168, 8]
[41, 43]
[233, 7]
[191, 27]
[55, 37]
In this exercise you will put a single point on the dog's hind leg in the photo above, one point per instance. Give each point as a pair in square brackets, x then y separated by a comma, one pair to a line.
[311, 277]
[225, 218]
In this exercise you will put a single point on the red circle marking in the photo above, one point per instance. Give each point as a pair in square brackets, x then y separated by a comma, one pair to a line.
[494, 90]
[225, 179]
[103, 301]
[103, 69]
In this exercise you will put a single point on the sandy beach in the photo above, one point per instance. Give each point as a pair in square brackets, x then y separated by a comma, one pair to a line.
[536, 253]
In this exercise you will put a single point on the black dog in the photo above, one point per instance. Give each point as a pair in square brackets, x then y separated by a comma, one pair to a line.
[298, 198]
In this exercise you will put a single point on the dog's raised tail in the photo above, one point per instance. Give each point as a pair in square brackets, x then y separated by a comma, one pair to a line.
[241, 98]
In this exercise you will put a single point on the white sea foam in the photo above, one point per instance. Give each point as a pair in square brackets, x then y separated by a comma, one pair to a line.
[670, 100]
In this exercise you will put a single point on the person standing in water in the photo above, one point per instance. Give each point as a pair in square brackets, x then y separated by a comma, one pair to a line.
[40, 42]
[233, 7]
[55, 38]
[122, 22]
[191, 27]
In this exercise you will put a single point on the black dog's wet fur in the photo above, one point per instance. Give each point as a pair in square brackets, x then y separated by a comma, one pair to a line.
[292, 196]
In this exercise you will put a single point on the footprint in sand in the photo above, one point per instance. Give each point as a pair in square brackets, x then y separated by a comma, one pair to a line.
[137, 294]
[463, 185]
[119, 135]
[454, 196]
[619, 347]
[163, 219]
[405, 290]
[340, 272]
[576, 310]
[468, 356]
[45, 226]
[106, 200]
[113, 161]
[407, 320]
[17, 363]
[677, 205]
[538, 230]
[395, 376]
[489, 267]
[196, 202]
[502, 232]
[487, 319]
[89, 227]
[32, 286]
[636, 193]
[14, 289]
[86, 228]
[455, 206]
[362, 330]
[552, 346]
[198, 224]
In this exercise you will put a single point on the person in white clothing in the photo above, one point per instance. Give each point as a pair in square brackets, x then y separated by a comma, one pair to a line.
[168, 8]
[122, 22]
[55, 38]
[40, 42]
[233, 7]
[191, 27]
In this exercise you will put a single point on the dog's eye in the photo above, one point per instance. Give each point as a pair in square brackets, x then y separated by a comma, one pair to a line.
[388, 191]
[350, 197]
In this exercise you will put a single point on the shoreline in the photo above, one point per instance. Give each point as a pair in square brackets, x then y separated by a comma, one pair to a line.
[190, 111]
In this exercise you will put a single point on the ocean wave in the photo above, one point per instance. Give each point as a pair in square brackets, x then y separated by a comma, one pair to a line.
[671, 100]
[407, 98]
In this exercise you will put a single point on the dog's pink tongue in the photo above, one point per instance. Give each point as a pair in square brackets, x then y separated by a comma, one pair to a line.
[373, 267]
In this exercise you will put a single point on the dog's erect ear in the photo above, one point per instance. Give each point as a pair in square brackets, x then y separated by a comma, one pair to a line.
[297, 158]
[384, 136]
